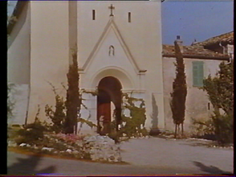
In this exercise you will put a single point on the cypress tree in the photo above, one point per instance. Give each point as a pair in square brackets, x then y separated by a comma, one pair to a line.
[72, 97]
[179, 91]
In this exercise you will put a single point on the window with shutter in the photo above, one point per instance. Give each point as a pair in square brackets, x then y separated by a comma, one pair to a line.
[198, 73]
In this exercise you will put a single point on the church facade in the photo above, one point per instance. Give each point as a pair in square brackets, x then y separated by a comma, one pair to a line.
[119, 50]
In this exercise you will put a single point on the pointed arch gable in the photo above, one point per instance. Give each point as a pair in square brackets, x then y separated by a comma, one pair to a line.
[111, 25]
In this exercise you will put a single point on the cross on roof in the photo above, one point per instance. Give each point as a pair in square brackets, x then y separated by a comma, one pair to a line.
[112, 8]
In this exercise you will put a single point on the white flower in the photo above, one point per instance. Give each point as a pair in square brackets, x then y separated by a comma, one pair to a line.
[47, 149]
[69, 150]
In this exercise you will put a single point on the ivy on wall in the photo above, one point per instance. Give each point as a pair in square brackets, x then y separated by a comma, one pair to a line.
[131, 125]
[10, 101]
[58, 115]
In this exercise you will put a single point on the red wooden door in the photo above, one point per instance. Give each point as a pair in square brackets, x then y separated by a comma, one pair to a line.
[109, 89]
[104, 112]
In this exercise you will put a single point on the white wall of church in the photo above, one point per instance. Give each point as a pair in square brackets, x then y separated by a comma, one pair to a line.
[137, 44]
[143, 40]
[143, 32]
[18, 66]
[197, 100]
[49, 53]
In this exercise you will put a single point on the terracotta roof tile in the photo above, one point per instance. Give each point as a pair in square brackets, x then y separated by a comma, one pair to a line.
[227, 37]
[192, 52]
[199, 49]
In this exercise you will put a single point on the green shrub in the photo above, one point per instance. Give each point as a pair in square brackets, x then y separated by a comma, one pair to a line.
[86, 156]
[10, 102]
[31, 133]
[133, 125]
[144, 132]
[114, 135]
[73, 100]
[59, 146]
[221, 95]
[223, 126]
[203, 128]
[219, 128]
[58, 115]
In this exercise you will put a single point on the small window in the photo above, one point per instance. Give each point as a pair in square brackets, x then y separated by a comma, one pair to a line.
[208, 106]
[129, 17]
[111, 50]
[198, 73]
[93, 15]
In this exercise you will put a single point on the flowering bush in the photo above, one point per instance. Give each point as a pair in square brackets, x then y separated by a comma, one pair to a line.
[69, 138]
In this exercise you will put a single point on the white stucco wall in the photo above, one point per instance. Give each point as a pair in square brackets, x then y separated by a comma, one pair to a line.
[18, 66]
[49, 53]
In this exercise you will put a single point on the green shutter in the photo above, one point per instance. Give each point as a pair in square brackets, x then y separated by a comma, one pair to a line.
[198, 73]
[195, 74]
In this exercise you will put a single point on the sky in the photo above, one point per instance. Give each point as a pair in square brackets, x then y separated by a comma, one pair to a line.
[192, 19]
[196, 19]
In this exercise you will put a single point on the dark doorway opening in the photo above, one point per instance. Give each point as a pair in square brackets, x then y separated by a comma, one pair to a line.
[109, 92]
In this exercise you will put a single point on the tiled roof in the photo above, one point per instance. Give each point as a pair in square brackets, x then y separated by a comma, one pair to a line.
[199, 49]
[224, 38]
[194, 51]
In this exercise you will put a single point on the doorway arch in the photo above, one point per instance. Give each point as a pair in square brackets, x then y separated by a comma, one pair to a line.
[109, 91]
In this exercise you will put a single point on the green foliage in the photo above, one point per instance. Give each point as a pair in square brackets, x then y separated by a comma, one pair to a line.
[203, 128]
[86, 156]
[89, 123]
[52, 143]
[12, 131]
[58, 116]
[134, 124]
[179, 91]
[10, 17]
[82, 120]
[10, 102]
[115, 135]
[220, 88]
[223, 126]
[31, 133]
[73, 100]
[93, 93]
[220, 92]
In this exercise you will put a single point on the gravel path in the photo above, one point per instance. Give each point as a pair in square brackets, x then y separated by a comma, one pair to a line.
[151, 156]
[189, 154]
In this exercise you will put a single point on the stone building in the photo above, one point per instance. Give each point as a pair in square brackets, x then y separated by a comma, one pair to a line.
[115, 53]
[200, 59]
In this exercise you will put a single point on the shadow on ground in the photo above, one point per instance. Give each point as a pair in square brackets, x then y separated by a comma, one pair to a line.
[204, 144]
[211, 169]
[29, 166]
